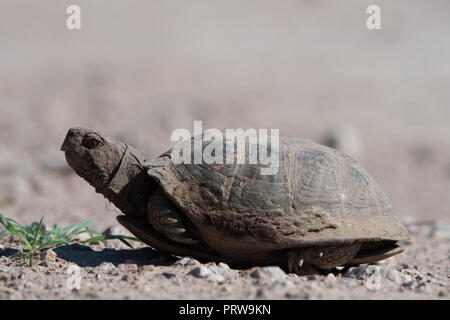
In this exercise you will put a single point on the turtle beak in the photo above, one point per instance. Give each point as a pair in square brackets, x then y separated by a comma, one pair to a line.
[69, 140]
[64, 146]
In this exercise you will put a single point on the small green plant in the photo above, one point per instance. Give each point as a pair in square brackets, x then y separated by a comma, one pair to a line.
[36, 238]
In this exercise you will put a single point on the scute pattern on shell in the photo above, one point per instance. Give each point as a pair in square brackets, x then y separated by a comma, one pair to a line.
[318, 196]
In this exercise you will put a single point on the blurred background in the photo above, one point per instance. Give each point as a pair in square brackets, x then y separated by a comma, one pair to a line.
[138, 70]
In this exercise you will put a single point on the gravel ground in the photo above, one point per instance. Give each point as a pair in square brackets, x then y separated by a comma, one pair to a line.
[138, 71]
[110, 271]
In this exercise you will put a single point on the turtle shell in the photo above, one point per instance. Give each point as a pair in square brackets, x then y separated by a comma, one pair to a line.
[319, 196]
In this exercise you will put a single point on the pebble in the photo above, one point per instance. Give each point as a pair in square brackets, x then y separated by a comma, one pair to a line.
[394, 275]
[187, 261]
[147, 271]
[169, 275]
[412, 273]
[217, 269]
[48, 255]
[216, 278]
[105, 267]
[434, 281]
[224, 266]
[370, 274]
[128, 267]
[272, 272]
[128, 278]
[331, 277]
[362, 272]
[200, 272]
[413, 284]
[44, 264]
[147, 268]
[114, 230]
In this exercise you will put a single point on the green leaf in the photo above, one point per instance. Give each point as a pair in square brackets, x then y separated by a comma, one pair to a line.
[78, 228]
[35, 236]
[52, 243]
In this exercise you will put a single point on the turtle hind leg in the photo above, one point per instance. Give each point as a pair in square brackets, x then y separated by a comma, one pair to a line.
[165, 218]
[326, 257]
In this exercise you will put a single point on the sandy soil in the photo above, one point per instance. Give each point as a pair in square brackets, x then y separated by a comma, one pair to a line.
[139, 71]
[111, 271]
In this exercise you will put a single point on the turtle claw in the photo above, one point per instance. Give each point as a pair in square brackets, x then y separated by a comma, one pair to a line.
[291, 265]
[170, 221]
[177, 230]
[186, 240]
[294, 263]
[165, 218]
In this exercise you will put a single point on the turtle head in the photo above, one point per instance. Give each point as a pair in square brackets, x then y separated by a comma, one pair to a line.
[92, 155]
[115, 169]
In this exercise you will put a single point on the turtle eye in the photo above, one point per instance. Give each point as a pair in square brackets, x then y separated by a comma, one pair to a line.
[91, 143]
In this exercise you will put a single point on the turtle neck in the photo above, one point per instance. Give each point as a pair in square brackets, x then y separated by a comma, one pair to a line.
[130, 187]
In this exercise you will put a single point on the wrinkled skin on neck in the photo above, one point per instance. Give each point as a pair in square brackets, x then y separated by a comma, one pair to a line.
[113, 168]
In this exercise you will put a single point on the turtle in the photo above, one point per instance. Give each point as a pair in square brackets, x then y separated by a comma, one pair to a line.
[320, 210]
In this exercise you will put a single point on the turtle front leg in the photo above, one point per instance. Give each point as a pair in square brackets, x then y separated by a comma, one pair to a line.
[296, 264]
[322, 257]
[165, 218]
